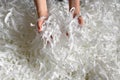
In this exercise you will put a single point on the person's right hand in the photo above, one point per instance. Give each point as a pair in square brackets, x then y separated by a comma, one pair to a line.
[80, 20]
[39, 24]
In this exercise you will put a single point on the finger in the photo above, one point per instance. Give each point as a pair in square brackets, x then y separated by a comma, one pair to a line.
[67, 34]
[51, 37]
[80, 20]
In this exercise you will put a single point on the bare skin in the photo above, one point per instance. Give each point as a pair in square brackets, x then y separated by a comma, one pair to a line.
[76, 3]
[42, 10]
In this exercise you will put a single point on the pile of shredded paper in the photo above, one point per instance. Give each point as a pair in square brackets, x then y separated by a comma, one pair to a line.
[89, 52]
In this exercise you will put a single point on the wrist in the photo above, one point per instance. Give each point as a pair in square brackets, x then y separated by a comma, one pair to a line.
[76, 14]
[41, 13]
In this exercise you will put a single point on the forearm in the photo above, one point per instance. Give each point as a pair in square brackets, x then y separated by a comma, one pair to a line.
[41, 7]
[76, 4]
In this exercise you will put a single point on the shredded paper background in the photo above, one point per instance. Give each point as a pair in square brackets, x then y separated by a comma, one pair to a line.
[91, 52]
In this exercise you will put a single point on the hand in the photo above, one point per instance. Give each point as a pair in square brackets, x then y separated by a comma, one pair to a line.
[80, 20]
[39, 25]
[40, 22]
